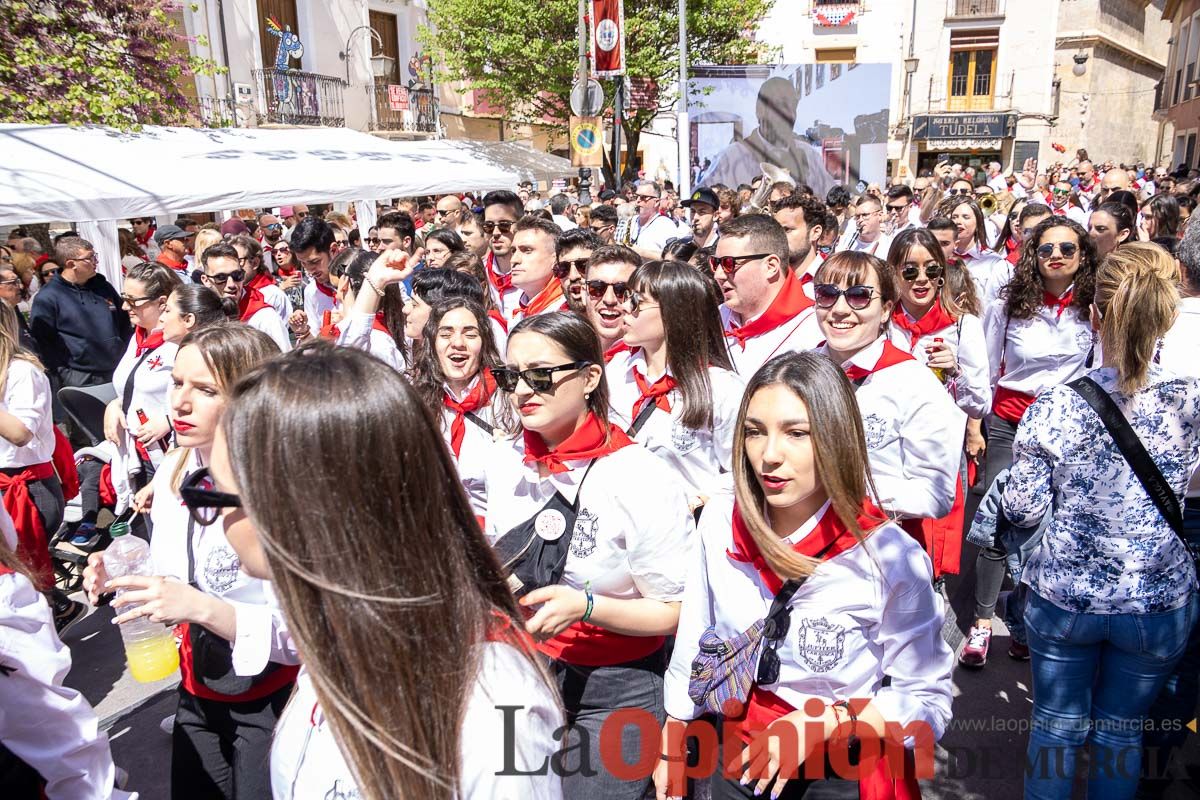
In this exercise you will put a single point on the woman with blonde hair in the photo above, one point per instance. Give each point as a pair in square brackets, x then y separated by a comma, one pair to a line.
[1112, 596]
[807, 591]
[205, 239]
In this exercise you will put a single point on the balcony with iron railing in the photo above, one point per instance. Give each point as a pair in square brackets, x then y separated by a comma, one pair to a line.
[398, 108]
[292, 97]
[974, 9]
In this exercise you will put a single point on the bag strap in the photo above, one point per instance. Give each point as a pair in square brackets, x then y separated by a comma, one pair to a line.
[473, 418]
[641, 418]
[127, 390]
[790, 587]
[1131, 447]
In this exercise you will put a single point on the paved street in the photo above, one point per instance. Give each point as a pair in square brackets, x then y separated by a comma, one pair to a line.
[980, 757]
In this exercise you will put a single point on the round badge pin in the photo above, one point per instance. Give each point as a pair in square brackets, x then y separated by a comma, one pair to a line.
[550, 524]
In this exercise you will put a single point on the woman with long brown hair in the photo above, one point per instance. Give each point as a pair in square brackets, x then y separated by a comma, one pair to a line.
[846, 592]
[235, 654]
[453, 376]
[914, 430]
[971, 243]
[372, 290]
[376, 587]
[677, 363]
[590, 528]
[1038, 336]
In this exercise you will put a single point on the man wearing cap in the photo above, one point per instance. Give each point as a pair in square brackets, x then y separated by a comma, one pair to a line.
[292, 215]
[174, 244]
[607, 197]
[704, 204]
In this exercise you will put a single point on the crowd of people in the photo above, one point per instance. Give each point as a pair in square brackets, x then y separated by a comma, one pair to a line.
[512, 497]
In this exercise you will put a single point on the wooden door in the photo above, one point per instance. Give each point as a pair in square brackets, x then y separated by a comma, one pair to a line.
[284, 13]
[385, 25]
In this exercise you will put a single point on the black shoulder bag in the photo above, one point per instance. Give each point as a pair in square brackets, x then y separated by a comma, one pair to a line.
[534, 553]
[641, 418]
[1131, 447]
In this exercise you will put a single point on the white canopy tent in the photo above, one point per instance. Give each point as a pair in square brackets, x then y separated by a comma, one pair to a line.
[97, 176]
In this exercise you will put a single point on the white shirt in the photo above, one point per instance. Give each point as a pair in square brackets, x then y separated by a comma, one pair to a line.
[478, 447]
[151, 394]
[850, 242]
[701, 457]
[47, 725]
[794, 336]
[633, 522]
[914, 434]
[27, 397]
[507, 301]
[989, 271]
[1036, 353]
[316, 303]
[866, 613]
[997, 183]
[1178, 355]
[277, 299]
[267, 321]
[654, 235]
[358, 330]
[261, 630]
[971, 388]
[307, 764]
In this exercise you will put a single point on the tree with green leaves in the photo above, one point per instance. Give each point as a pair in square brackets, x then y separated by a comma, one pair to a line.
[522, 54]
[109, 62]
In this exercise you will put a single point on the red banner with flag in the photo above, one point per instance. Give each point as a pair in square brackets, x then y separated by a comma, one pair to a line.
[608, 37]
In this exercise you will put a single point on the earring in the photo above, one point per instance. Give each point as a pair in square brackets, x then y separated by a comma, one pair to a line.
[587, 395]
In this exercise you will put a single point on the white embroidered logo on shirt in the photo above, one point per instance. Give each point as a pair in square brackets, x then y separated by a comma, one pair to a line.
[583, 540]
[820, 643]
[221, 569]
[875, 431]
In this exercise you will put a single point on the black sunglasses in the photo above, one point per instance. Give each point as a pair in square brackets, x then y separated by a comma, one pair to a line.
[775, 628]
[597, 289]
[826, 295]
[221, 277]
[731, 264]
[911, 273]
[563, 268]
[504, 225]
[203, 502]
[372, 241]
[960, 191]
[540, 379]
[1068, 249]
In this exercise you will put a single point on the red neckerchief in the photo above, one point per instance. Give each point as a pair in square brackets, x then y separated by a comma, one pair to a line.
[286, 272]
[830, 530]
[790, 302]
[619, 347]
[550, 294]
[1058, 212]
[496, 315]
[478, 397]
[1011, 246]
[890, 357]
[501, 283]
[656, 391]
[259, 280]
[589, 441]
[1060, 304]
[965, 256]
[146, 341]
[251, 303]
[324, 289]
[377, 324]
[144, 238]
[935, 319]
[328, 329]
[165, 260]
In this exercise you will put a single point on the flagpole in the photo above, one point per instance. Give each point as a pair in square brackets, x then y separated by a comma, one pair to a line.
[682, 126]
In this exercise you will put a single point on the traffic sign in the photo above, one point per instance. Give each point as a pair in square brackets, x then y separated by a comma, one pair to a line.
[587, 99]
[587, 142]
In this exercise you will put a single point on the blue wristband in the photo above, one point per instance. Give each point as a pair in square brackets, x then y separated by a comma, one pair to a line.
[591, 602]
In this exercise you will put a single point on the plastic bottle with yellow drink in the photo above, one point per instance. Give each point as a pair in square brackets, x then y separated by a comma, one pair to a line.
[149, 646]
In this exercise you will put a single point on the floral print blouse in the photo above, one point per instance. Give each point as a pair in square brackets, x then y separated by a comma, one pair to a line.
[1107, 549]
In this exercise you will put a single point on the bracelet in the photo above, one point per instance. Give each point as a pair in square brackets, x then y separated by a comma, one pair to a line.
[378, 292]
[674, 759]
[591, 601]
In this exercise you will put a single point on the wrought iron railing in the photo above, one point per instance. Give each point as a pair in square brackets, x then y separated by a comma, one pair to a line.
[398, 108]
[292, 97]
[214, 112]
[975, 8]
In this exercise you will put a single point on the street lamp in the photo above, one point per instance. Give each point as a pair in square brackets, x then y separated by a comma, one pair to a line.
[381, 65]
[910, 65]
[1080, 59]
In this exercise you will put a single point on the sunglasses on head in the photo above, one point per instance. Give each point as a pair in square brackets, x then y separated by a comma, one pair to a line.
[563, 268]
[540, 379]
[505, 226]
[731, 264]
[826, 295]
[204, 503]
[1068, 249]
[597, 289]
[912, 272]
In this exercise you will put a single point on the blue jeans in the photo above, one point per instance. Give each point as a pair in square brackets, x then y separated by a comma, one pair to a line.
[1094, 678]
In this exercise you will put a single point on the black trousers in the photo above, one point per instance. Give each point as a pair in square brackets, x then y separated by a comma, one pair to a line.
[223, 750]
[723, 788]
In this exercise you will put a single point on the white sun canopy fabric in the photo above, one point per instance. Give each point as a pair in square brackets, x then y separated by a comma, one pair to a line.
[58, 172]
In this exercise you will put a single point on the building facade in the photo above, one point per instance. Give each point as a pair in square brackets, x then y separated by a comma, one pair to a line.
[1178, 102]
[995, 80]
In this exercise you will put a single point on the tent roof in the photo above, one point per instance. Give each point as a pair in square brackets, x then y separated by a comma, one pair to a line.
[59, 172]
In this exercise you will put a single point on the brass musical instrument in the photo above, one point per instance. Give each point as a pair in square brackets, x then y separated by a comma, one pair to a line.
[771, 175]
[988, 204]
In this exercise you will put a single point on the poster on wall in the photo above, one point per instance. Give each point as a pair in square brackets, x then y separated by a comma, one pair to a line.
[825, 132]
